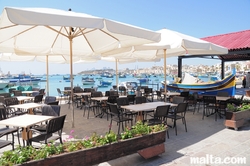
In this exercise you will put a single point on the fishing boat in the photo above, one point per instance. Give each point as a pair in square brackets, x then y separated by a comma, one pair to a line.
[211, 88]
[129, 85]
[108, 83]
[143, 80]
[22, 79]
[88, 81]
[3, 84]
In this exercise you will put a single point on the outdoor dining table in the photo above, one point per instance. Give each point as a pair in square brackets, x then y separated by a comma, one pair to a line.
[145, 107]
[25, 122]
[28, 93]
[22, 99]
[83, 94]
[222, 98]
[103, 98]
[27, 106]
[170, 94]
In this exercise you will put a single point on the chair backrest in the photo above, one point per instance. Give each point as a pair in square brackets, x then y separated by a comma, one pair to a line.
[195, 95]
[11, 101]
[67, 88]
[35, 89]
[140, 99]
[178, 99]
[148, 90]
[38, 98]
[113, 93]
[184, 94]
[181, 108]
[35, 94]
[209, 99]
[112, 99]
[158, 93]
[138, 93]
[223, 93]
[107, 93]
[113, 109]
[77, 89]
[41, 91]
[6, 95]
[122, 101]
[114, 87]
[131, 98]
[2, 102]
[56, 124]
[49, 99]
[17, 93]
[87, 90]
[59, 91]
[161, 111]
[3, 112]
[96, 94]
[51, 110]
[53, 103]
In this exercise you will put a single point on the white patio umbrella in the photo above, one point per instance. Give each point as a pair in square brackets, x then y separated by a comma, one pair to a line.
[172, 44]
[43, 31]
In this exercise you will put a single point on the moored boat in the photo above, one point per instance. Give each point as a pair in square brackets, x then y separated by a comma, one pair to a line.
[88, 81]
[3, 83]
[227, 84]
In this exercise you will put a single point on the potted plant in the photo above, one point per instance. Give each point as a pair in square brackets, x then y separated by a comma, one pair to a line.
[90, 150]
[236, 115]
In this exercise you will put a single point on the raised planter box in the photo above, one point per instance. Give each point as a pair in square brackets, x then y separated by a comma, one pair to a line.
[236, 119]
[107, 152]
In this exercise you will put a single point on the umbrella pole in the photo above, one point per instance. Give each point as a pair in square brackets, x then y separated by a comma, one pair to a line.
[116, 69]
[47, 72]
[71, 80]
[165, 73]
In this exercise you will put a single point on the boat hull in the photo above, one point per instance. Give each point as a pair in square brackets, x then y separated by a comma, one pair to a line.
[227, 84]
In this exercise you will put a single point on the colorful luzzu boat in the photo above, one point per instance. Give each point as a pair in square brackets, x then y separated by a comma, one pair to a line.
[227, 84]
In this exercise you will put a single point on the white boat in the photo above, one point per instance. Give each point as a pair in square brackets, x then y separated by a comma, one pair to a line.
[88, 81]
[3, 83]
[129, 85]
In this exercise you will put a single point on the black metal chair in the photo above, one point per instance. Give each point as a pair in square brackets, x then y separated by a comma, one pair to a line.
[17, 93]
[210, 106]
[5, 131]
[117, 116]
[49, 99]
[12, 111]
[160, 116]
[148, 93]
[62, 95]
[131, 99]
[54, 126]
[179, 113]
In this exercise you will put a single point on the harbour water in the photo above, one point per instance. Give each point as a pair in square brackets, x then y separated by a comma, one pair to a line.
[56, 81]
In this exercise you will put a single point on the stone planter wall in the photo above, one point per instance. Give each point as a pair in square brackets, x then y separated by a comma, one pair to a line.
[236, 119]
[104, 153]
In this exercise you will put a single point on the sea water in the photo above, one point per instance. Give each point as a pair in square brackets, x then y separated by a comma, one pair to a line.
[56, 81]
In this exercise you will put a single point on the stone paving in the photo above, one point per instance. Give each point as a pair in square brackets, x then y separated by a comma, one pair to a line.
[204, 137]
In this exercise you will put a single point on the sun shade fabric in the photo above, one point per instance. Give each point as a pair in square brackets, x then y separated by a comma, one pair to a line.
[20, 29]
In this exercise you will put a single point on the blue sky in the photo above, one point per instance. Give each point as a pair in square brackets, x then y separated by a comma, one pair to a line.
[198, 18]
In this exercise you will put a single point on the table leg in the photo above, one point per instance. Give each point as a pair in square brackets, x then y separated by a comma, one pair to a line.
[139, 116]
[26, 134]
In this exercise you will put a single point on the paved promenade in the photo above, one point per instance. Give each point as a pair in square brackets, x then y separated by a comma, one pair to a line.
[204, 137]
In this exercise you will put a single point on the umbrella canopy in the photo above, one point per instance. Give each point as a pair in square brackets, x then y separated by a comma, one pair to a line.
[43, 31]
[172, 44]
